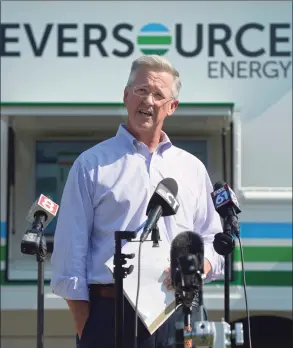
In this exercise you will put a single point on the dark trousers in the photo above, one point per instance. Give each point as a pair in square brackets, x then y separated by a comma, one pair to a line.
[99, 331]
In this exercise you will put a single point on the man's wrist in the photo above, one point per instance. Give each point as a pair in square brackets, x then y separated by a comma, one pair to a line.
[80, 312]
[207, 267]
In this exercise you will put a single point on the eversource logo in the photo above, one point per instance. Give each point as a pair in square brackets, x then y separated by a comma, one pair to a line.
[154, 38]
[249, 50]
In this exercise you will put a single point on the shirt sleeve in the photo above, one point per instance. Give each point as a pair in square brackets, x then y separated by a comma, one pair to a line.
[208, 223]
[71, 240]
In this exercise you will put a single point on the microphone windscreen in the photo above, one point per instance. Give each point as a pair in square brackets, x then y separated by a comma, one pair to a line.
[171, 185]
[185, 247]
[187, 243]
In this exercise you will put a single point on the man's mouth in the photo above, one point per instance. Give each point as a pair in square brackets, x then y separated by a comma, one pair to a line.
[145, 112]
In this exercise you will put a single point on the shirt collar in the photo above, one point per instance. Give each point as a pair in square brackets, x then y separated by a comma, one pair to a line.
[123, 132]
[165, 142]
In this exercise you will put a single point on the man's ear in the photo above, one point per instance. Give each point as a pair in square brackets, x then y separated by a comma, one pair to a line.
[173, 107]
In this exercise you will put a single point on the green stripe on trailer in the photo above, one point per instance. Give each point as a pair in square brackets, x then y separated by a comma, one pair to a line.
[260, 278]
[3, 252]
[253, 278]
[264, 254]
[269, 278]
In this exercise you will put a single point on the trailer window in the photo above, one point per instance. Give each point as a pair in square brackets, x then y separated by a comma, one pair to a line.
[53, 162]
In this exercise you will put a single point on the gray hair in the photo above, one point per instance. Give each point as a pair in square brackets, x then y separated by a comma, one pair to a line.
[155, 63]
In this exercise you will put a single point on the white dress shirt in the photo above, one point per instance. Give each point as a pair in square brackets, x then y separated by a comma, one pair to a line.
[108, 189]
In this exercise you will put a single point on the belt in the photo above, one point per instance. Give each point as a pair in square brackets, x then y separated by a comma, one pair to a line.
[102, 290]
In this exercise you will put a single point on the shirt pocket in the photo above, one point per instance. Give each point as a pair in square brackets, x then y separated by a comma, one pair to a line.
[186, 211]
[184, 217]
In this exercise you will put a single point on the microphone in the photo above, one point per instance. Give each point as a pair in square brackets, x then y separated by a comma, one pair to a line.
[40, 215]
[187, 268]
[227, 206]
[155, 236]
[225, 200]
[162, 203]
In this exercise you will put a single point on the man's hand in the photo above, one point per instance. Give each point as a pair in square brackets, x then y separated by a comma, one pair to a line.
[80, 312]
[167, 280]
[207, 268]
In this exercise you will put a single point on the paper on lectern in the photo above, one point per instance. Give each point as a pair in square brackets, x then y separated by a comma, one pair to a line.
[155, 303]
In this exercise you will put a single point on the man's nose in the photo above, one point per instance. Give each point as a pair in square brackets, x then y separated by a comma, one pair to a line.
[149, 99]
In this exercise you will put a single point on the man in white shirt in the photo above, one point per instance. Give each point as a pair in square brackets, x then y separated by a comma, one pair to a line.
[108, 189]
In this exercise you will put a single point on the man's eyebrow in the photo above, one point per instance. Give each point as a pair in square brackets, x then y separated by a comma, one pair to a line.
[161, 89]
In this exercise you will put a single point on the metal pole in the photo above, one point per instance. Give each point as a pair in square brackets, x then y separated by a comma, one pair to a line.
[187, 336]
[231, 184]
[224, 154]
[40, 316]
[119, 298]
[40, 257]
[228, 257]
[227, 288]
[232, 155]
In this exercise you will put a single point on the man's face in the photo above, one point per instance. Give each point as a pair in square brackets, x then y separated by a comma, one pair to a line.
[149, 100]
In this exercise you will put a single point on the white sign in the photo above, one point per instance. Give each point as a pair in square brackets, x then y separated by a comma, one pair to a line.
[81, 51]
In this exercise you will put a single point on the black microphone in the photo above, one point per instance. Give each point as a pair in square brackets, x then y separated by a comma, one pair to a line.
[227, 206]
[187, 268]
[162, 203]
[40, 215]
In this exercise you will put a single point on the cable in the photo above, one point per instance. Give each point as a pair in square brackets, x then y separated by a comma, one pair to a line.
[138, 285]
[137, 296]
[245, 293]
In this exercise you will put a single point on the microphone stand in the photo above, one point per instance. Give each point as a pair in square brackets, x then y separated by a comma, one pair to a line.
[227, 271]
[34, 243]
[155, 236]
[227, 288]
[187, 331]
[41, 256]
[189, 294]
[120, 272]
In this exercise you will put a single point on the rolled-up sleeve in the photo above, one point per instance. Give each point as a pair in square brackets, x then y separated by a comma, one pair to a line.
[208, 223]
[71, 240]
